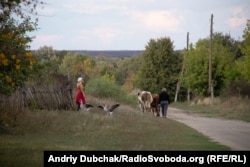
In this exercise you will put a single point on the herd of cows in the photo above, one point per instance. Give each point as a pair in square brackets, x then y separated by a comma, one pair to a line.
[149, 102]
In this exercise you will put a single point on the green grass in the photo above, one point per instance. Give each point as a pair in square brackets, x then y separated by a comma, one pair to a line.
[204, 110]
[127, 129]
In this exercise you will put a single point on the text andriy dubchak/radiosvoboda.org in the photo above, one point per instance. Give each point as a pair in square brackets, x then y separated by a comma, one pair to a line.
[124, 158]
[149, 158]
[159, 158]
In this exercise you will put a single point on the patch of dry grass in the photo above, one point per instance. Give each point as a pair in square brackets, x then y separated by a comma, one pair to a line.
[229, 108]
[236, 108]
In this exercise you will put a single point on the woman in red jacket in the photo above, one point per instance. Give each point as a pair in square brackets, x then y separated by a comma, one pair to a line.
[80, 95]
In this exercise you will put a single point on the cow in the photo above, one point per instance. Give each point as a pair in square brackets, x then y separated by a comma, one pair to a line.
[154, 105]
[145, 99]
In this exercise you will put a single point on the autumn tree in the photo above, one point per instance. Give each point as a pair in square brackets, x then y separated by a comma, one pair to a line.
[160, 66]
[127, 68]
[16, 61]
[75, 65]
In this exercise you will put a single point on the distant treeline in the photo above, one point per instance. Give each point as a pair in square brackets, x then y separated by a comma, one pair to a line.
[109, 53]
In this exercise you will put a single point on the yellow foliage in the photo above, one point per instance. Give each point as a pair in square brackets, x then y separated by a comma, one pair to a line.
[8, 79]
[18, 67]
[5, 62]
[23, 41]
[32, 62]
[109, 77]
[87, 63]
[29, 54]
[7, 35]
[2, 56]
[18, 61]
[128, 86]
[13, 57]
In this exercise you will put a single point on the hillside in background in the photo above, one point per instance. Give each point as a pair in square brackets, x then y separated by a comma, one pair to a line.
[106, 53]
[109, 53]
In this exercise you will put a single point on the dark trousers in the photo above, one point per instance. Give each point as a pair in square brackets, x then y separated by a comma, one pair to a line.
[164, 108]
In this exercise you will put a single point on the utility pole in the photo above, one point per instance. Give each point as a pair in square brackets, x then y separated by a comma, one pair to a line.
[188, 91]
[178, 86]
[210, 82]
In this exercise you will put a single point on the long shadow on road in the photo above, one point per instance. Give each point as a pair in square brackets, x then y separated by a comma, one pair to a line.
[232, 133]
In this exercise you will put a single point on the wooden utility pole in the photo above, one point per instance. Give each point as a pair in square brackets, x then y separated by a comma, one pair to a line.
[210, 82]
[188, 91]
[178, 86]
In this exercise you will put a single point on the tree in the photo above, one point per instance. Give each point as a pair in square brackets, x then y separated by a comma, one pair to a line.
[76, 65]
[160, 66]
[127, 68]
[46, 53]
[196, 65]
[109, 77]
[16, 61]
[244, 64]
[196, 68]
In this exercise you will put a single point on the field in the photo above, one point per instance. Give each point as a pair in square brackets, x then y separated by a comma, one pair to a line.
[127, 129]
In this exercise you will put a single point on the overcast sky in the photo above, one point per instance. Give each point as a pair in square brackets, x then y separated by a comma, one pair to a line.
[130, 24]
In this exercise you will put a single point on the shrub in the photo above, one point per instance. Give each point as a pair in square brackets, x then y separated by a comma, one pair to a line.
[239, 89]
[102, 88]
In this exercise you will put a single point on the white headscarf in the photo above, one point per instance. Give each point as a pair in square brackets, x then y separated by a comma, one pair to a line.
[79, 79]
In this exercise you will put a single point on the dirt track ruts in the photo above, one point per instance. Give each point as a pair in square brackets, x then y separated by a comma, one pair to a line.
[232, 133]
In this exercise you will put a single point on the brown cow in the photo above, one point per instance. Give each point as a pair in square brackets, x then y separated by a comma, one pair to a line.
[154, 105]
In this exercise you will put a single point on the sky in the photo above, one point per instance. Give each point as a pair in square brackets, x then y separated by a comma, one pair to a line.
[130, 24]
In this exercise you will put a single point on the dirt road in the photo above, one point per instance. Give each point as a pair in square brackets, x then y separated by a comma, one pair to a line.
[232, 133]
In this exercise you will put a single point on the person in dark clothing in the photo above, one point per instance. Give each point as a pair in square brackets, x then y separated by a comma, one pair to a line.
[164, 101]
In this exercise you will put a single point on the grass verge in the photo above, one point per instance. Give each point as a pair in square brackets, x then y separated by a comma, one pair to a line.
[233, 108]
[126, 129]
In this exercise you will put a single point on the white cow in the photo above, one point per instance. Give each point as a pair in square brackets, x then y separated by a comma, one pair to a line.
[145, 99]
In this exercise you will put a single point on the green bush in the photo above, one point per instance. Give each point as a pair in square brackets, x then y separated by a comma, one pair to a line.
[102, 88]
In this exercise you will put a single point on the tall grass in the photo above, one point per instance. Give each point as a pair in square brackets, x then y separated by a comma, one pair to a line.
[236, 108]
[229, 108]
